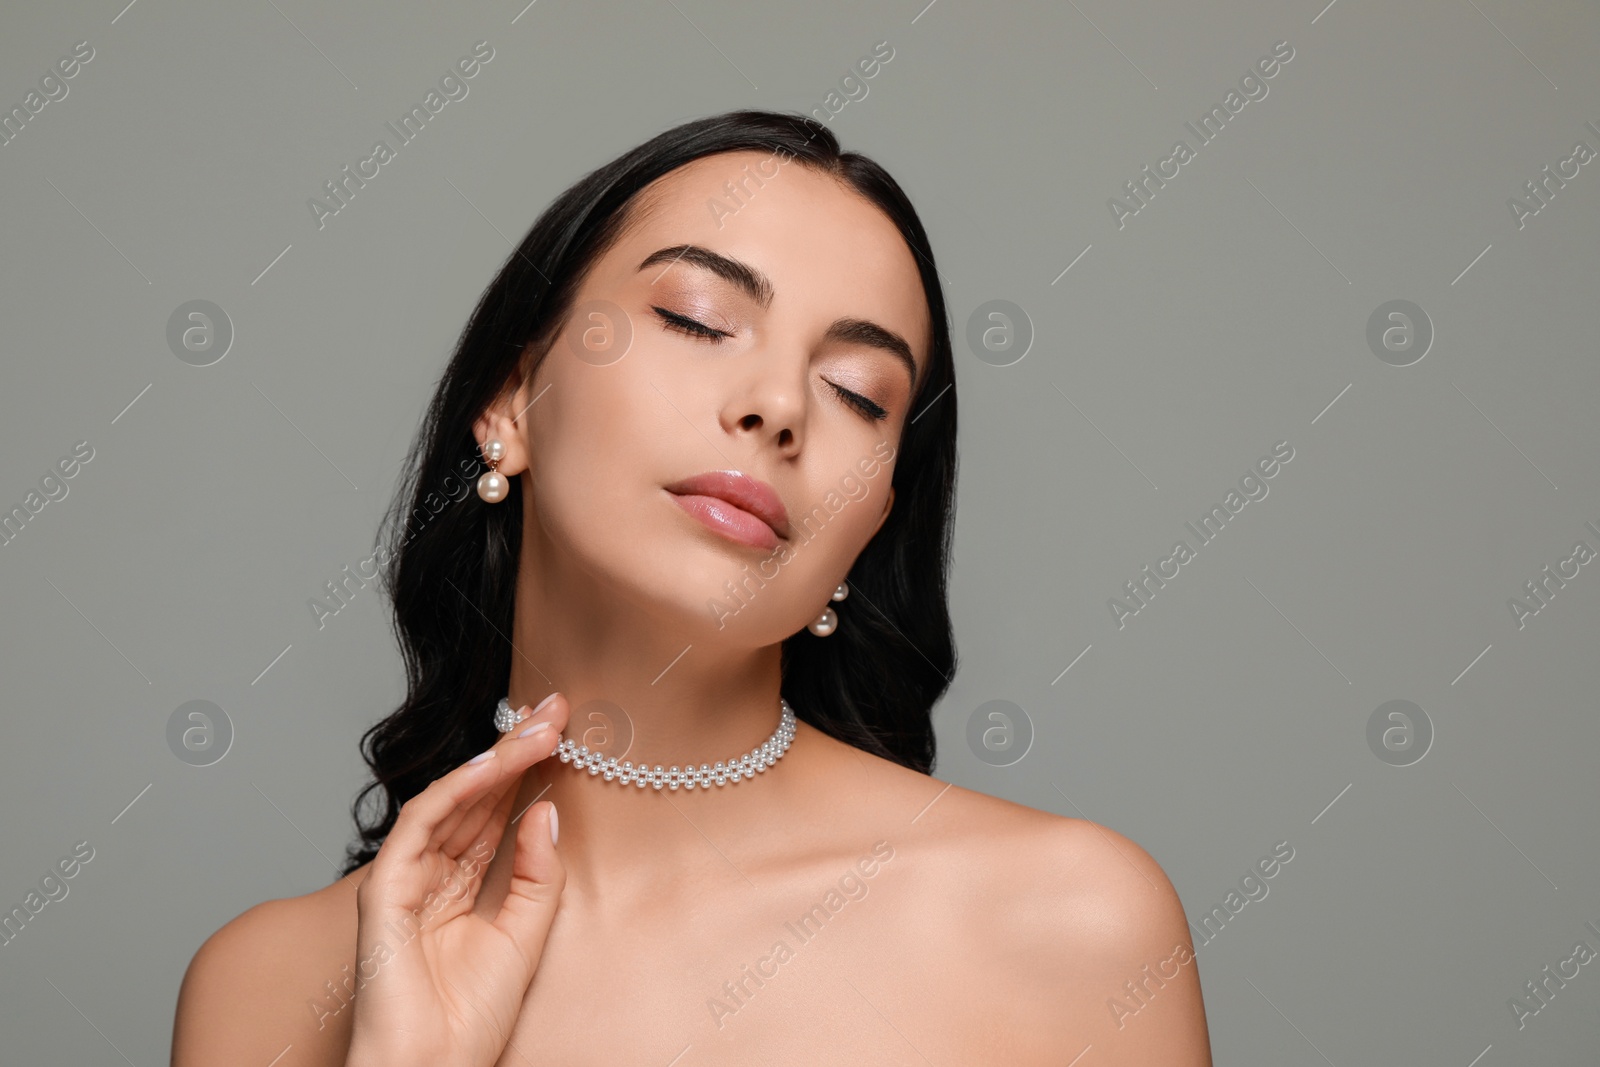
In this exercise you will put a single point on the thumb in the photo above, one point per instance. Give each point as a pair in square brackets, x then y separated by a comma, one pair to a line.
[537, 879]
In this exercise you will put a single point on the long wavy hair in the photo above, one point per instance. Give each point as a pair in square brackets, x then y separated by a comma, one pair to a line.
[449, 569]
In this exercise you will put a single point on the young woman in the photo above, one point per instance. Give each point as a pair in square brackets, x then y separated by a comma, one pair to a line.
[715, 390]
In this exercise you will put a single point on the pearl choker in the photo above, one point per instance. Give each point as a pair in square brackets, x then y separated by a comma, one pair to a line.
[706, 775]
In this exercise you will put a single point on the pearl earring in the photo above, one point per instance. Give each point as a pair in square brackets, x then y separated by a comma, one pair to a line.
[492, 487]
[828, 621]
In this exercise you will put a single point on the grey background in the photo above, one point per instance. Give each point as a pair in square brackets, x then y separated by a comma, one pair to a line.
[1226, 316]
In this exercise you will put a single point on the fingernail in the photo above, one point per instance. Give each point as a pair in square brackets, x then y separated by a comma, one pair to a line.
[480, 757]
[540, 706]
[555, 825]
[535, 728]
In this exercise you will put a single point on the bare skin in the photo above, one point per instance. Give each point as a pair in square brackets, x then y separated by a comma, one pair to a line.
[945, 926]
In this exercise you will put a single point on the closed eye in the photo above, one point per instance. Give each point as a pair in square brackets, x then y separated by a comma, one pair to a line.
[683, 324]
[861, 403]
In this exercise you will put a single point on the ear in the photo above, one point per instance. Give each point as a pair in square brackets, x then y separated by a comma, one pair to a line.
[506, 419]
[887, 505]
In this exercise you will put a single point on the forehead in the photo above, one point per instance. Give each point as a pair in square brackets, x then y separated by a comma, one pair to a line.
[823, 246]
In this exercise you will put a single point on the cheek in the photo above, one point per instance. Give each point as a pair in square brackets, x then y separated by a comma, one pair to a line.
[588, 443]
[836, 524]
[591, 416]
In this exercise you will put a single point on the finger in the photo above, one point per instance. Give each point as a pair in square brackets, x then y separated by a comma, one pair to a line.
[453, 887]
[464, 826]
[485, 822]
[537, 878]
[455, 832]
[447, 826]
[471, 858]
[461, 788]
[533, 719]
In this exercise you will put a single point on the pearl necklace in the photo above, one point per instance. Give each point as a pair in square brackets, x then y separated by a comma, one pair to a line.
[722, 772]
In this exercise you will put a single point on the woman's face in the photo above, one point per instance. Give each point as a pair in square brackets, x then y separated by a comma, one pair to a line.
[757, 317]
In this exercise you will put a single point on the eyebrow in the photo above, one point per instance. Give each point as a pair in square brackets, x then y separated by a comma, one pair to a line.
[759, 288]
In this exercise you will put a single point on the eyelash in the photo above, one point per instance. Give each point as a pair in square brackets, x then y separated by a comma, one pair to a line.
[862, 404]
[682, 324]
[673, 321]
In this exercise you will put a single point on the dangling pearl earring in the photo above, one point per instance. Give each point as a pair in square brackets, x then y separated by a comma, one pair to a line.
[492, 487]
[828, 621]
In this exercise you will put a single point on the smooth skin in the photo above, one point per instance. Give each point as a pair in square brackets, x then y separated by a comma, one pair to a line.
[839, 904]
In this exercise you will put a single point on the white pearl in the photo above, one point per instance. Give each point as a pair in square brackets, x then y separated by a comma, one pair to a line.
[494, 450]
[841, 592]
[688, 776]
[825, 623]
[492, 487]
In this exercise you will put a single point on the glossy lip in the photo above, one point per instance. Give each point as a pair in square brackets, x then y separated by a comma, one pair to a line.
[751, 496]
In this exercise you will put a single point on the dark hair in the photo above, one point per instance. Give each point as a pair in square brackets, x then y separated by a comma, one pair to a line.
[451, 562]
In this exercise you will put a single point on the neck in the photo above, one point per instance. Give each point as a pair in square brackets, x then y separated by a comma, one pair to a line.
[648, 688]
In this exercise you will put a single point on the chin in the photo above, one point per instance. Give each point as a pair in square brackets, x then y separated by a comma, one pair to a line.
[723, 596]
[673, 569]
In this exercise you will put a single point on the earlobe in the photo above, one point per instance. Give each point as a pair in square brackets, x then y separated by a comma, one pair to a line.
[495, 424]
[487, 436]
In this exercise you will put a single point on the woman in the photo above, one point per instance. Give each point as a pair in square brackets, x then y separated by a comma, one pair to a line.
[714, 388]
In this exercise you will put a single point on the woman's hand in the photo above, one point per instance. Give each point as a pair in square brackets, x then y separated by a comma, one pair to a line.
[439, 984]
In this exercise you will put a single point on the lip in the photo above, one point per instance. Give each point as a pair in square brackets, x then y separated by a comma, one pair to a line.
[734, 504]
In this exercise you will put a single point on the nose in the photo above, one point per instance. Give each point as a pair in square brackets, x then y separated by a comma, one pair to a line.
[769, 400]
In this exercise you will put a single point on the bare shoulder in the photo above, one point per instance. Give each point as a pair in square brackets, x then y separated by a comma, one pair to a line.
[268, 984]
[1076, 876]
[1067, 916]
[1078, 871]
[1100, 881]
